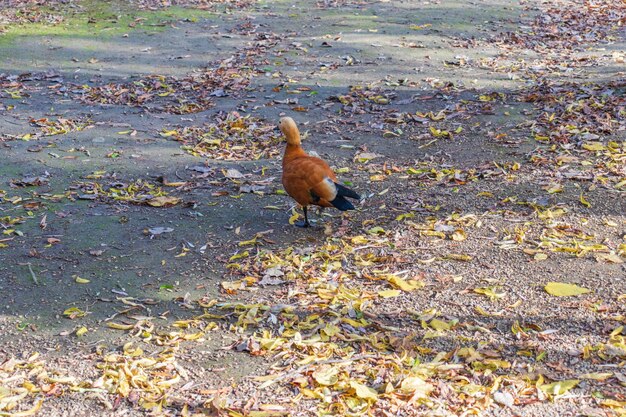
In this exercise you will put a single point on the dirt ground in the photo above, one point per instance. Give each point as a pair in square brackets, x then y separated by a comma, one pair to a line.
[148, 260]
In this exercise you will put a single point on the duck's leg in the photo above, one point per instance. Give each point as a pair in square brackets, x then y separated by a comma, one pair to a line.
[304, 223]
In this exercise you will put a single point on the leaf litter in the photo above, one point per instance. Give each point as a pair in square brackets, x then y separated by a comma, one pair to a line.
[322, 326]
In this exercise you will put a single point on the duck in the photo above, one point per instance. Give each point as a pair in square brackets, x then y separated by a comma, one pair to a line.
[309, 180]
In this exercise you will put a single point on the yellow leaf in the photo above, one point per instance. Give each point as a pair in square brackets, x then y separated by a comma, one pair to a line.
[168, 133]
[559, 387]
[458, 257]
[119, 326]
[594, 146]
[163, 201]
[458, 235]
[80, 280]
[597, 376]
[27, 413]
[489, 292]
[243, 254]
[294, 217]
[482, 311]
[82, 331]
[183, 252]
[416, 387]
[169, 382]
[363, 391]
[252, 241]
[617, 330]
[407, 286]
[561, 289]
[376, 230]
[330, 330]
[174, 183]
[401, 217]
[359, 240]
[584, 202]
[439, 324]
[389, 293]
[540, 256]
[554, 188]
[74, 312]
[613, 404]
[326, 376]
[439, 133]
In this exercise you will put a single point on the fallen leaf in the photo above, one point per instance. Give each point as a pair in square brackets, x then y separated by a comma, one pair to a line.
[584, 202]
[233, 174]
[416, 387]
[80, 280]
[363, 391]
[561, 289]
[326, 376]
[155, 231]
[74, 312]
[163, 201]
[559, 387]
[389, 293]
[503, 398]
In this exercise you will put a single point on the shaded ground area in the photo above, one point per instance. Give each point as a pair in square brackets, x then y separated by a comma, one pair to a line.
[147, 261]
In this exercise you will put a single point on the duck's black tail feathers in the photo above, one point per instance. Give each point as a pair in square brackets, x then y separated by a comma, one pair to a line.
[340, 201]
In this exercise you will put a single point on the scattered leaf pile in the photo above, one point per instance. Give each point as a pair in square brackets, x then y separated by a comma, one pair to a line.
[142, 379]
[230, 137]
[25, 383]
[347, 319]
[332, 343]
[160, 93]
[569, 25]
[573, 113]
[136, 192]
[60, 126]
[198, 4]
[365, 99]
[29, 11]
[191, 94]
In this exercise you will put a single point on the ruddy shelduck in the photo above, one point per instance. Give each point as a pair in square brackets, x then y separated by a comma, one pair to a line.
[309, 180]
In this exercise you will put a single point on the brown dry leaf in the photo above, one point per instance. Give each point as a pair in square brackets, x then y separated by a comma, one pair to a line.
[609, 257]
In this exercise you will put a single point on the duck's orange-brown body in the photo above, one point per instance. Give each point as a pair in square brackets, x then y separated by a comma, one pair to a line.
[307, 179]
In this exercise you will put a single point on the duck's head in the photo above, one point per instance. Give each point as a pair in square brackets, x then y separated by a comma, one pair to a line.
[290, 130]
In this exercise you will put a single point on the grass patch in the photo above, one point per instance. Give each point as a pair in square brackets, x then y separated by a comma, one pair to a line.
[97, 18]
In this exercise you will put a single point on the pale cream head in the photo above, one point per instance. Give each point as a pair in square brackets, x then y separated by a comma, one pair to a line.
[290, 130]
